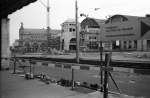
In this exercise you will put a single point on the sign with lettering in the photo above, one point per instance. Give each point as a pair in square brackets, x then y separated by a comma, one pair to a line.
[128, 30]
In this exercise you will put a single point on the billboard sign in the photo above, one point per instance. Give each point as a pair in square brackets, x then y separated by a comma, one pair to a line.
[128, 30]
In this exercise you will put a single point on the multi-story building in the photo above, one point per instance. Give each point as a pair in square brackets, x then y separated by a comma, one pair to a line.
[142, 45]
[68, 38]
[35, 40]
[91, 28]
[90, 32]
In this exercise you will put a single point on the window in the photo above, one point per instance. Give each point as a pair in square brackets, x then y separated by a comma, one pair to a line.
[130, 46]
[70, 30]
[124, 44]
[89, 37]
[73, 30]
[135, 43]
[148, 44]
[93, 45]
[92, 37]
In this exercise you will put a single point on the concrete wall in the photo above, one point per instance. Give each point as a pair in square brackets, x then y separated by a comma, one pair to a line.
[5, 51]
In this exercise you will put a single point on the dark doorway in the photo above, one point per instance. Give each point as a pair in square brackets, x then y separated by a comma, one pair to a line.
[72, 47]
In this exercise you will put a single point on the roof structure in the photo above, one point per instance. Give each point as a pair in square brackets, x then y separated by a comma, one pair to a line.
[92, 22]
[39, 31]
[70, 20]
[124, 17]
[9, 6]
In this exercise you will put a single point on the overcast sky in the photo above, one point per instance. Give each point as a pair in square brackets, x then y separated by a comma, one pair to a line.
[34, 15]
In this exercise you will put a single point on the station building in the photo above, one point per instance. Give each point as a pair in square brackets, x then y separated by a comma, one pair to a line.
[89, 34]
[136, 45]
[35, 40]
[68, 36]
[91, 28]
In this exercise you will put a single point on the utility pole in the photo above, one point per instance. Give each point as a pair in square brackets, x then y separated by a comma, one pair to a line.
[15, 60]
[106, 73]
[101, 60]
[77, 42]
[101, 64]
[72, 79]
[48, 26]
[77, 33]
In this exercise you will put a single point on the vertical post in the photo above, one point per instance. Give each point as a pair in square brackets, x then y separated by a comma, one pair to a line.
[30, 66]
[14, 64]
[141, 44]
[77, 42]
[1, 39]
[77, 33]
[72, 78]
[107, 62]
[33, 69]
[101, 64]
[48, 26]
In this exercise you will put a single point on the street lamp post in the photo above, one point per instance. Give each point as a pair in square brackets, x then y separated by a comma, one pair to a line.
[101, 61]
[101, 55]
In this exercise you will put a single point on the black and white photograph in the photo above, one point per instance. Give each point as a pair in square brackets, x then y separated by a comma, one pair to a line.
[75, 49]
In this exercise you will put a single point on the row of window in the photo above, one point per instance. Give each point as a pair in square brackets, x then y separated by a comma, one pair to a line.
[66, 25]
[71, 30]
[130, 44]
[92, 37]
[93, 45]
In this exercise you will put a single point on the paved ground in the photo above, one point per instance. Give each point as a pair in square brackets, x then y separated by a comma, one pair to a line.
[130, 84]
[14, 86]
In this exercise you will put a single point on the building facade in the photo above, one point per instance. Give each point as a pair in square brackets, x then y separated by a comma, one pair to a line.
[140, 45]
[35, 40]
[68, 36]
[90, 32]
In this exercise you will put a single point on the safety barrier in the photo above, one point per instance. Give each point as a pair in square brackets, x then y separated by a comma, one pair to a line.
[72, 66]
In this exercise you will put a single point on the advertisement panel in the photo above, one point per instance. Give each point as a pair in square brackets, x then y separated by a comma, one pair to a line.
[128, 30]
